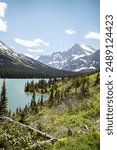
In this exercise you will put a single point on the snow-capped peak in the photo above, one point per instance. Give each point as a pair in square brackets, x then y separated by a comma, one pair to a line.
[87, 48]
[78, 57]
[8, 51]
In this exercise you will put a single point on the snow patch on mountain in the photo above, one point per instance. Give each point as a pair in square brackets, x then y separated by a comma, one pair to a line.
[82, 68]
[77, 58]
[86, 47]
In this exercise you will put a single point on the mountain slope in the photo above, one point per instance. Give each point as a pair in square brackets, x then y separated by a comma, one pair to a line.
[76, 58]
[13, 64]
[86, 63]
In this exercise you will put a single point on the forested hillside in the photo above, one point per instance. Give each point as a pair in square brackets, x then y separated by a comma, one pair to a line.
[17, 65]
[69, 120]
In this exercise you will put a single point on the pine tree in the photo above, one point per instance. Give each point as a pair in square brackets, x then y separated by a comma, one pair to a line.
[36, 109]
[3, 100]
[97, 80]
[84, 87]
[76, 84]
[13, 116]
[0, 105]
[17, 111]
[26, 108]
[61, 96]
[9, 114]
[33, 101]
[57, 96]
[22, 117]
[54, 80]
[27, 87]
[33, 104]
[41, 102]
[49, 82]
[20, 110]
[51, 99]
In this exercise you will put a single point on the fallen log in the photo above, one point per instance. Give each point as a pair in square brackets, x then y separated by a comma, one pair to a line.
[41, 143]
[33, 129]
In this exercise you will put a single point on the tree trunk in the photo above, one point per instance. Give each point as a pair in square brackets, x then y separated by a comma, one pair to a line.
[35, 130]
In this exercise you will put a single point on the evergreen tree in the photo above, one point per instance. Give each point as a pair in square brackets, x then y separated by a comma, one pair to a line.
[3, 100]
[32, 83]
[57, 96]
[41, 102]
[27, 87]
[84, 87]
[26, 108]
[22, 117]
[20, 110]
[54, 80]
[76, 84]
[13, 115]
[33, 104]
[55, 86]
[17, 111]
[97, 79]
[51, 99]
[0, 106]
[49, 82]
[46, 90]
[36, 109]
[42, 91]
[9, 114]
[83, 90]
[61, 96]
[62, 79]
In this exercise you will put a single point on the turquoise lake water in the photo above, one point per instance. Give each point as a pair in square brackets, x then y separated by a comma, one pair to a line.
[16, 95]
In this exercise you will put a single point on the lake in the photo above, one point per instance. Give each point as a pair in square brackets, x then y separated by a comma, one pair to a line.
[16, 95]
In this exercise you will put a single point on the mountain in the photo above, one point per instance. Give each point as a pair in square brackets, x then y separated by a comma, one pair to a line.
[16, 65]
[86, 63]
[80, 57]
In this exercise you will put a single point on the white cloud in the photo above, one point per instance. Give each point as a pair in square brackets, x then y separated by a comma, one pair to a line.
[92, 35]
[29, 55]
[3, 25]
[35, 50]
[70, 31]
[31, 43]
[3, 7]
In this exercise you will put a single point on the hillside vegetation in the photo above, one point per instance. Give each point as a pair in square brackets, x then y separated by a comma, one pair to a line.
[71, 116]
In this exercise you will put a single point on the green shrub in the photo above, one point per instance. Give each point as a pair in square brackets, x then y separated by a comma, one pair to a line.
[88, 141]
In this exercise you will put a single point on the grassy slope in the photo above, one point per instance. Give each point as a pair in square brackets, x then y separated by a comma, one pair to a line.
[82, 117]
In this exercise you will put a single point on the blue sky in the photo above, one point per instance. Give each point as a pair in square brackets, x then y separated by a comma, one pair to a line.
[35, 27]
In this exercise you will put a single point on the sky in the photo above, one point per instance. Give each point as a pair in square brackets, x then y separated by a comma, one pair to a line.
[35, 27]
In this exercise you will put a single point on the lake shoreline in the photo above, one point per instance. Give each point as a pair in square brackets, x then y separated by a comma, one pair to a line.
[17, 98]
